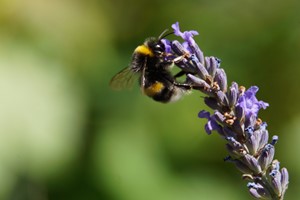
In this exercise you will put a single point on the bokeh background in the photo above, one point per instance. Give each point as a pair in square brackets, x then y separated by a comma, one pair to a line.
[64, 134]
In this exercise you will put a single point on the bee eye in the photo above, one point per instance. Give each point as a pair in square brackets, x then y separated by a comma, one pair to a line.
[158, 48]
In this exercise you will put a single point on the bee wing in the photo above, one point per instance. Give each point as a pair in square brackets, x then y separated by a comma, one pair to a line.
[124, 79]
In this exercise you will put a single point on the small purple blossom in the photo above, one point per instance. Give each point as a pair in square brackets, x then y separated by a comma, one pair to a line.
[167, 45]
[249, 102]
[211, 124]
[186, 35]
[189, 43]
[258, 191]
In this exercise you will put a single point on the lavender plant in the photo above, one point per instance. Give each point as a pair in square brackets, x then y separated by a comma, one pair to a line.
[235, 117]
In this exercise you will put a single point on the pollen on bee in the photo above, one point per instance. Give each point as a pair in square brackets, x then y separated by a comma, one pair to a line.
[154, 89]
[145, 50]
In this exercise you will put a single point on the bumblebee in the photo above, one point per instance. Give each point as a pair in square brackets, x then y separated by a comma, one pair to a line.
[155, 78]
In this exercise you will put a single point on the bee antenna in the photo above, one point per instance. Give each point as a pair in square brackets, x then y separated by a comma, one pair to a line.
[164, 34]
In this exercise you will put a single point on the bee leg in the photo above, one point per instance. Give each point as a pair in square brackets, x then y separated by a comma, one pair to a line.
[179, 74]
[187, 86]
[183, 85]
[180, 58]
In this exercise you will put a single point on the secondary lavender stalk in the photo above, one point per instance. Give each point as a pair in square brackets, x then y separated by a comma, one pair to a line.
[235, 117]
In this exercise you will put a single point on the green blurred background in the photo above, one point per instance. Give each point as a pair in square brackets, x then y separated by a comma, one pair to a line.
[64, 134]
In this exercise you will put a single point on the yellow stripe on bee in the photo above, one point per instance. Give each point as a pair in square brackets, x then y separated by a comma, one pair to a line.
[145, 50]
[154, 89]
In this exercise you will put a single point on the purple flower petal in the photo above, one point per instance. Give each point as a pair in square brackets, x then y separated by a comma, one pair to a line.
[211, 124]
[249, 102]
[176, 29]
[204, 114]
[167, 45]
[186, 35]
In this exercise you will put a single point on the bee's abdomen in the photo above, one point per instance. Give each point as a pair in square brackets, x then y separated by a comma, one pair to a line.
[160, 91]
[154, 89]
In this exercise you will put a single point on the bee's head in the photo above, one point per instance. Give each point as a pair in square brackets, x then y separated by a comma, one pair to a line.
[158, 46]
[153, 46]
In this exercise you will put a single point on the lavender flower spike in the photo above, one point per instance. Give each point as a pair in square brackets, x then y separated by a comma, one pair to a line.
[235, 118]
